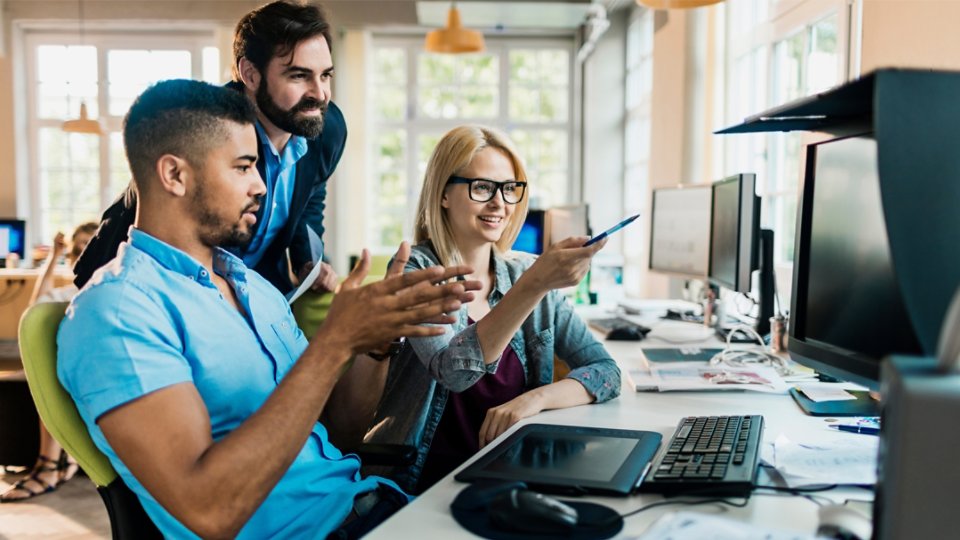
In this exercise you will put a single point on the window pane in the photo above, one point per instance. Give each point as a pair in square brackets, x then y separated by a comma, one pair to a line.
[788, 67]
[436, 69]
[553, 105]
[74, 63]
[119, 169]
[438, 102]
[127, 79]
[391, 103]
[479, 69]
[479, 102]
[823, 63]
[523, 66]
[391, 188]
[211, 65]
[390, 66]
[555, 67]
[524, 104]
[425, 145]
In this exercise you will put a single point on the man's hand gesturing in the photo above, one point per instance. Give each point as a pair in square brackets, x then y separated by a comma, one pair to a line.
[363, 318]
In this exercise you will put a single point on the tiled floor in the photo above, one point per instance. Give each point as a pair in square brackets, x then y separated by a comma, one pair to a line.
[74, 511]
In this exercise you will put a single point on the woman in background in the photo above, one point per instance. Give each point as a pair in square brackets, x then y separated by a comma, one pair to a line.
[450, 395]
[54, 466]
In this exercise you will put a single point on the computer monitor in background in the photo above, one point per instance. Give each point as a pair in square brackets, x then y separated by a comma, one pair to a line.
[738, 246]
[734, 232]
[531, 236]
[12, 238]
[680, 231]
[847, 310]
[565, 221]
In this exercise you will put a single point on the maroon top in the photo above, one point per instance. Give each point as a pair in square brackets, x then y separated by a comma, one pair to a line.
[458, 434]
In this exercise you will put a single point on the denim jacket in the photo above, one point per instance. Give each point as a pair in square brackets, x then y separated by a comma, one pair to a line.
[423, 374]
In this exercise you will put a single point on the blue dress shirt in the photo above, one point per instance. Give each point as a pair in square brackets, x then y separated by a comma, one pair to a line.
[280, 174]
[153, 318]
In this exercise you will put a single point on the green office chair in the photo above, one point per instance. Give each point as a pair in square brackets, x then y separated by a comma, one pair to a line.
[38, 349]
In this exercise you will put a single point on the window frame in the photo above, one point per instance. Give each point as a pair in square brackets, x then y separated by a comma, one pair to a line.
[414, 125]
[194, 40]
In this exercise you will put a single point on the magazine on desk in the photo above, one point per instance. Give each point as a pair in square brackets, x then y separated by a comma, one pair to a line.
[678, 376]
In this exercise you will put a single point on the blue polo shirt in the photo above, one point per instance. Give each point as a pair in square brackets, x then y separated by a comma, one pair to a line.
[153, 318]
[280, 172]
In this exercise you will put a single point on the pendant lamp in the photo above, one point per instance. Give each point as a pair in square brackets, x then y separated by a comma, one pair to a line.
[84, 124]
[454, 38]
[676, 4]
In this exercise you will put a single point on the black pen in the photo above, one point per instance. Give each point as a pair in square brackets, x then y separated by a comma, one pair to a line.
[866, 430]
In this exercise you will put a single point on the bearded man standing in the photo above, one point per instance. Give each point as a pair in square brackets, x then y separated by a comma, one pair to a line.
[283, 65]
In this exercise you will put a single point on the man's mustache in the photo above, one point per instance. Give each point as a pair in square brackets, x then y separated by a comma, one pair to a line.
[307, 104]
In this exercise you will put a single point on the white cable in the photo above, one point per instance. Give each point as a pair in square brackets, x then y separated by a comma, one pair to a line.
[760, 355]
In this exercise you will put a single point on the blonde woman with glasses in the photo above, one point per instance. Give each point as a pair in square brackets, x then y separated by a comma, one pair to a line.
[450, 395]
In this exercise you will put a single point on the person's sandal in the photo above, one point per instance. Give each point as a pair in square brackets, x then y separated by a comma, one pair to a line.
[44, 464]
[68, 467]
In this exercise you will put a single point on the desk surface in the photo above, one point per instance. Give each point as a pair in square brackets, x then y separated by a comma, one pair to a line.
[658, 412]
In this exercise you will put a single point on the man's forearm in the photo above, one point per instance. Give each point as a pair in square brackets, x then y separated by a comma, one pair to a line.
[246, 464]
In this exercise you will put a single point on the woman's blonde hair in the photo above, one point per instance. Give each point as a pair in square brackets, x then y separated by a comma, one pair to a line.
[454, 153]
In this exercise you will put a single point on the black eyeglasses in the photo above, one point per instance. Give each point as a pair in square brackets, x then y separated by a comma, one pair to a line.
[483, 190]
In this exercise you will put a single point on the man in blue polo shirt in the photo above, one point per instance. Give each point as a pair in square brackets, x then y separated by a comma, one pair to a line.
[188, 368]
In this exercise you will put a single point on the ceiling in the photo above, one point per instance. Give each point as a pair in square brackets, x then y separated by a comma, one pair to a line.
[480, 14]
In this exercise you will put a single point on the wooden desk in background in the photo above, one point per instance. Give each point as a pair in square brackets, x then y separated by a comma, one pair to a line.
[16, 285]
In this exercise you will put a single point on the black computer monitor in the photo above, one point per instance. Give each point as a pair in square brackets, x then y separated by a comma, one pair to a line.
[847, 310]
[680, 231]
[734, 232]
[12, 237]
[531, 236]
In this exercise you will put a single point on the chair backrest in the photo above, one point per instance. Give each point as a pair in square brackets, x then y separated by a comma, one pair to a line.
[38, 349]
[310, 310]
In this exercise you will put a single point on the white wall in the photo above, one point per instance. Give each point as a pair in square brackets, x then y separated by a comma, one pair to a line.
[910, 33]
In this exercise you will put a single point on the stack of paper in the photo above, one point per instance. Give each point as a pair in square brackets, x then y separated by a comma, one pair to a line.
[852, 461]
[674, 376]
[707, 527]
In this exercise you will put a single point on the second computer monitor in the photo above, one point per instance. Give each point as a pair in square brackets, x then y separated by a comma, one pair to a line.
[680, 231]
[12, 237]
[734, 232]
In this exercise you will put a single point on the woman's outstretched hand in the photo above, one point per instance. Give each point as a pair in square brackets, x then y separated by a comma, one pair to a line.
[563, 264]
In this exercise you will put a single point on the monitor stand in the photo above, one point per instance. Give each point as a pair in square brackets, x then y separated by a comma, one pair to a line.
[864, 405]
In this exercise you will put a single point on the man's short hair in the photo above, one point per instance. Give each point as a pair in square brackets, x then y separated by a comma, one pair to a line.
[274, 30]
[180, 117]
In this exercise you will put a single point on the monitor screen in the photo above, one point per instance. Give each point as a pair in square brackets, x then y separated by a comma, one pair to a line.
[12, 237]
[847, 311]
[734, 230]
[565, 221]
[530, 238]
[680, 230]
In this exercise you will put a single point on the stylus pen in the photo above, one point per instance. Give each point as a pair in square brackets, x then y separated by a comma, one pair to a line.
[866, 430]
[611, 230]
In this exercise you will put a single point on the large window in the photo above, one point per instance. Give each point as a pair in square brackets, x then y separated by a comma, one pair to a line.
[780, 50]
[73, 177]
[636, 183]
[520, 86]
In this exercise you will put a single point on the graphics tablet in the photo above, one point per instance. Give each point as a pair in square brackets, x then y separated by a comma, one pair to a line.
[569, 459]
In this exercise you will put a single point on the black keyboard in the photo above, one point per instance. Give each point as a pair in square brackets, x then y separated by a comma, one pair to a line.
[607, 324]
[709, 455]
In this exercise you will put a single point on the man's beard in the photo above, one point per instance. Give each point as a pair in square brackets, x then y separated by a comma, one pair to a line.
[213, 231]
[287, 120]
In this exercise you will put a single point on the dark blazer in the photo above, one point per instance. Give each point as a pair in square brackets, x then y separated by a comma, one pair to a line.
[301, 233]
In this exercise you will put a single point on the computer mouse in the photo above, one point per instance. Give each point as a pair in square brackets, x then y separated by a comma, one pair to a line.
[528, 511]
[626, 333]
[844, 523]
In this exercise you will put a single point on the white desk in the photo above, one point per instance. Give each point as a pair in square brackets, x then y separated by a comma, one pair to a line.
[429, 515]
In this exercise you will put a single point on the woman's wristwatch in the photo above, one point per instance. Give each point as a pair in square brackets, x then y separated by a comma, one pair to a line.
[395, 347]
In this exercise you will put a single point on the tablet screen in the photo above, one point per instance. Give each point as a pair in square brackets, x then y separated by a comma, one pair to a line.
[574, 457]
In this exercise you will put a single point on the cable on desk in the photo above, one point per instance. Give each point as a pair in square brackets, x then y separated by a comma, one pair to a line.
[760, 354]
[688, 502]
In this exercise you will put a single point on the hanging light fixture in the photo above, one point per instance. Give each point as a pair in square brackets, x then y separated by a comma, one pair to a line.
[676, 4]
[454, 38]
[84, 124]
